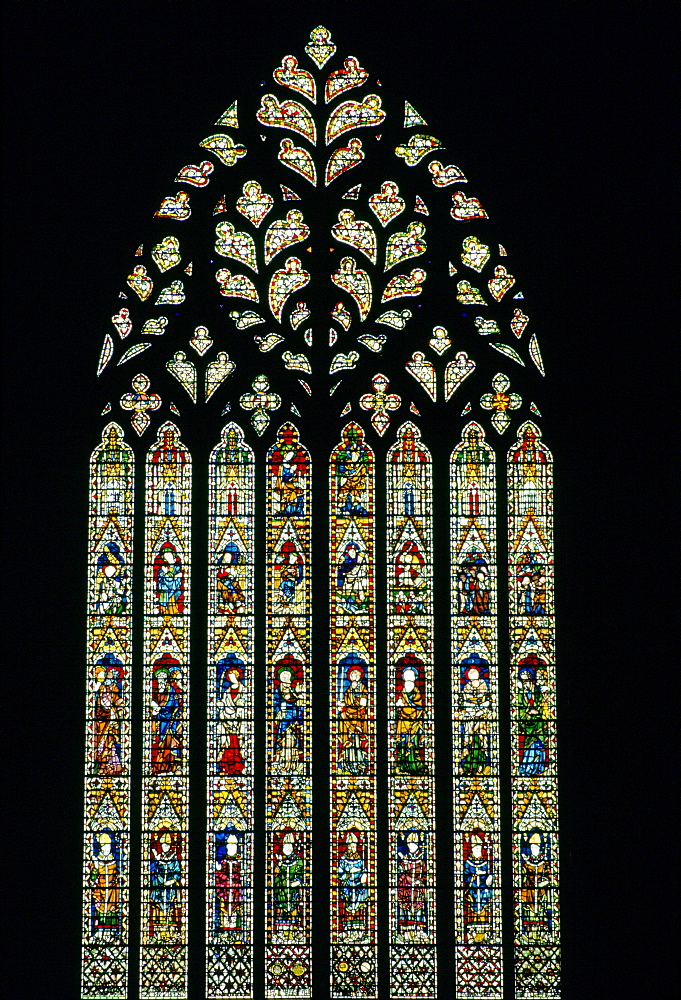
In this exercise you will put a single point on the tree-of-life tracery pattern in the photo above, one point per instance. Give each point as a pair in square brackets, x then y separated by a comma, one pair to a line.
[165, 772]
[229, 858]
[533, 725]
[411, 760]
[352, 696]
[475, 719]
[406, 268]
[107, 731]
[288, 861]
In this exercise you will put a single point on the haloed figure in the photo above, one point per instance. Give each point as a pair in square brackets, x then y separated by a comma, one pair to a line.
[105, 888]
[409, 725]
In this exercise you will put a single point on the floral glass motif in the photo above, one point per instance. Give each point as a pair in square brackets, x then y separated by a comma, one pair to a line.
[355, 233]
[402, 246]
[351, 75]
[352, 695]
[381, 402]
[290, 115]
[230, 736]
[411, 763]
[284, 233]
[165, 768]
[227, 151]
[533, 687]
[261, 400]
[290, 75]
[418, 146]
[107, 737]
[342, 159]
[284, 282]
[500, 401]
[166, 253]
[387, 204]
[140, 402]
[238, 246]
[477, 859]
[254, 204]
[297, 158]
[288, 911]
[354, 114]
[356, 283]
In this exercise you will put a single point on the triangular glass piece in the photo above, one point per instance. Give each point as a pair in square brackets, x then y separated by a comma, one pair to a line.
[229, 118]
[412, 117]
[221, 206]
[352, 194]
[288, 194]
[420, 206]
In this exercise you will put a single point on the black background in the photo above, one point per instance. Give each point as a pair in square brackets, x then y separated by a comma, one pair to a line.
[562, 110]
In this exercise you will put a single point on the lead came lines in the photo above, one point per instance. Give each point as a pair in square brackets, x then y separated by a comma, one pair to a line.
[229, 859]
[411, 761]
[475, 718]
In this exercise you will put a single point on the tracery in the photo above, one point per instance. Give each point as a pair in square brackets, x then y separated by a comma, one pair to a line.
[261, 324]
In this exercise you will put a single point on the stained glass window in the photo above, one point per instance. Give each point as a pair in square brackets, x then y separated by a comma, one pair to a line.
[322, 289]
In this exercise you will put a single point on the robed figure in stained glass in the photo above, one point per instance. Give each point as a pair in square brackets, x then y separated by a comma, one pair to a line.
[229, 887]
[112, 581]
[411, 585]
[352, 469]
[168, 577]
[289, 466]
[353, 723]
[107, 712]
[167, 713]
[165, 873]
[531, 708]
[352, 879]
[229, 591]
[412, 870]
[409, 717]
[105, 886]
[535, 891]
[352, 578]
[289, 718]
[232, 704]
[474, 703]
[287, 884]
[478, 879]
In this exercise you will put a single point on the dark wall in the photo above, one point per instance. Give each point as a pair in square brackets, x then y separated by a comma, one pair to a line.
[561, 110]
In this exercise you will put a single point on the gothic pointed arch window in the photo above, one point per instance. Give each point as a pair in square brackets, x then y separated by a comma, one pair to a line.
[320, 490]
